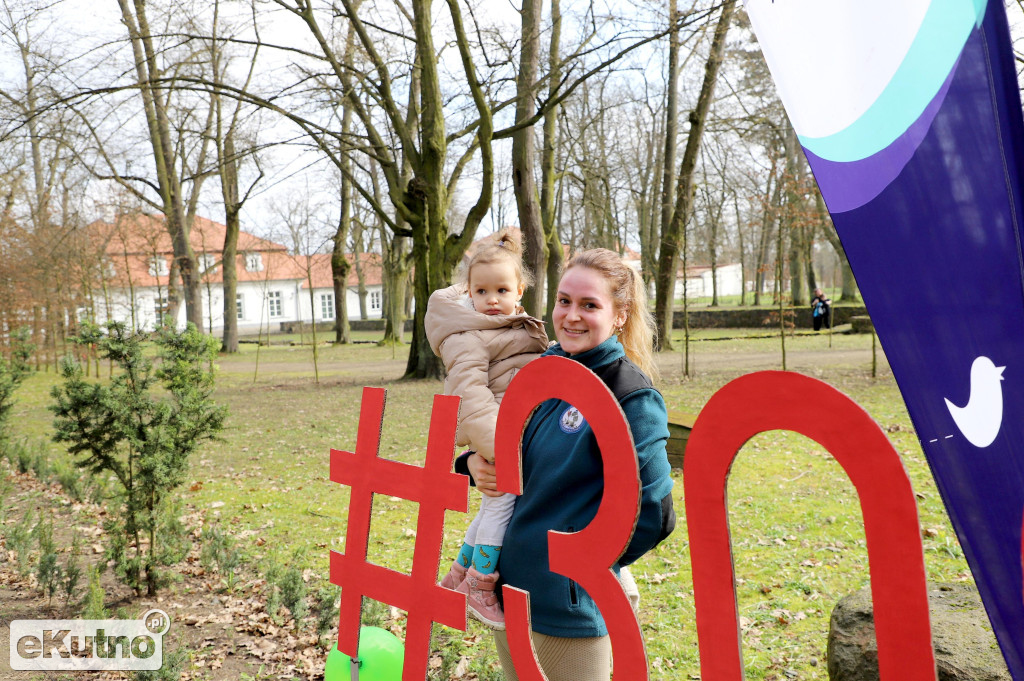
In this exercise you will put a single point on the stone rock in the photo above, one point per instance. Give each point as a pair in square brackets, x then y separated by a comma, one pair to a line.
[861, 324]
[965, 646]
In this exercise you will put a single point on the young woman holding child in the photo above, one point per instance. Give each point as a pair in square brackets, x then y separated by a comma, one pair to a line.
[601, 320]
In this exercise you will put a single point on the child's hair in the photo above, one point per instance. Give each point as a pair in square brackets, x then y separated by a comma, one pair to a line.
[627, 290]
[501, 247]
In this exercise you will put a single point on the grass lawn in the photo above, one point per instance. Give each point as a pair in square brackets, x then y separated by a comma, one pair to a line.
[798, 539]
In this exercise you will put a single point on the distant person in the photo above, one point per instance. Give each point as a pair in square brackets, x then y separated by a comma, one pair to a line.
[484, 337]
[821, 309]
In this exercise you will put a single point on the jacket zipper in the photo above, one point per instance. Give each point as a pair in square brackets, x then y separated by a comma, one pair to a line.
[573, 596]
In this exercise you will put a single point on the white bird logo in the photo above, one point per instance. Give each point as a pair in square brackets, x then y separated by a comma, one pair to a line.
[980, 418]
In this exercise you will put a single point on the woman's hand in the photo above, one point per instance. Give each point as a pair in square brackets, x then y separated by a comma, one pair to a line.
[484, 474]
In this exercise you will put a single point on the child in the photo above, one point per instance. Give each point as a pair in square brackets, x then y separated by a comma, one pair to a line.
[483, 338]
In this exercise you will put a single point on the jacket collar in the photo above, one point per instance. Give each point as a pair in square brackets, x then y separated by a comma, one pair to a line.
[606, 352]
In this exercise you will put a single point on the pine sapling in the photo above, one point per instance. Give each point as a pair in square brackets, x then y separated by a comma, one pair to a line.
[48, 571]
[19, 539]
[142, 438]
[293, 594]
[93, 607]
[72, 573]
[325, 605]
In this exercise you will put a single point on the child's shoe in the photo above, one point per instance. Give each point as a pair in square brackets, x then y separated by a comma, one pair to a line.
[482, 601]
[455, 575]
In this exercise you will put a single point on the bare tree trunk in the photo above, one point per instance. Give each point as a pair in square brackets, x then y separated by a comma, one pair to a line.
[523, 155]
[808, 256]
[154, 105]
[771, 199]
[793, 222]
[228, 160]
[229, 251]
[743, 254]
[357, 257]
[339, 263]
[668, 179]
[547, 171]
[650, 230]
[849, 292]
[672, 238]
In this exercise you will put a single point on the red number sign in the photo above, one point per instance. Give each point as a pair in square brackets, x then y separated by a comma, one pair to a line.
[605, 538]
[778, 400]
[747, 406]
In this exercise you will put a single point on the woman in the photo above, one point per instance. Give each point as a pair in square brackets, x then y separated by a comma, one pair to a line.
[601, 320]
[821, 310]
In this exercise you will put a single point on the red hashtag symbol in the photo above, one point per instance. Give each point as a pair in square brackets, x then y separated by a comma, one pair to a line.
[436, 489]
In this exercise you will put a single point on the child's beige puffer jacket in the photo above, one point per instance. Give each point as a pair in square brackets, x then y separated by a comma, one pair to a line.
[481, 354]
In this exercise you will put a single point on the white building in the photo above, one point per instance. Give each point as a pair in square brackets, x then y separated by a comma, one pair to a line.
[729, 278]
[273, 285]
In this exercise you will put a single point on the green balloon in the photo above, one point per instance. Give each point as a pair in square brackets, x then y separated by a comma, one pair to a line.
[381, 656]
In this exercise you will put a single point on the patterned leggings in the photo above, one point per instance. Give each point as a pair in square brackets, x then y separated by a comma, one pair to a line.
[563, 659]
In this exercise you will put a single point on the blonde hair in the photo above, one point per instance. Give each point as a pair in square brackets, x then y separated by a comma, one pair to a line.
[501, 247]
[628, 293]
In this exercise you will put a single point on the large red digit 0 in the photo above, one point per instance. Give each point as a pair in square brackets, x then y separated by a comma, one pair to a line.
[605, 539]
[781, 400]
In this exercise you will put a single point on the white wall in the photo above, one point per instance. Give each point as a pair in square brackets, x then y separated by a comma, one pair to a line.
[255, 305]
[729, 278]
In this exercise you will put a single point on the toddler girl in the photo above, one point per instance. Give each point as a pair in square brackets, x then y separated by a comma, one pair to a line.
[483, 337]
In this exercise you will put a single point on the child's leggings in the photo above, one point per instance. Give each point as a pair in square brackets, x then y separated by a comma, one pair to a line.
[488, 527]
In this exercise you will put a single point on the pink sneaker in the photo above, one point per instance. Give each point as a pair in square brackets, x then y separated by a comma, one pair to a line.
[455, 575]
[482, 602]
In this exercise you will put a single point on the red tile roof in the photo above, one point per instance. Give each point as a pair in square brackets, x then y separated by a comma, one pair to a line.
[133, 241]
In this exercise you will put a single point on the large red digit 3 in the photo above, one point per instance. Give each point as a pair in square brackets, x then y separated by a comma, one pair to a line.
[606, 537]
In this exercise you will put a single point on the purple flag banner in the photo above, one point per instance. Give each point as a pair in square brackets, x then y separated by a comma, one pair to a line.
[910, 116]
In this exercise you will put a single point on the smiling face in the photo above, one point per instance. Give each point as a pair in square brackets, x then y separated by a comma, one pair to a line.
[585, 314]
[495, 288]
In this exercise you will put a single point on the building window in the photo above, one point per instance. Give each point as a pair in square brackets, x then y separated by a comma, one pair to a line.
[158, 267]
[327, 306]
[207, 263]
[239, 306]
[253, 262]
[160, 308]
[274, 301]
[374, 300]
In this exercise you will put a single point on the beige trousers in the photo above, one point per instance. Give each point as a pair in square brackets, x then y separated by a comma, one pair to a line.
[563, 659]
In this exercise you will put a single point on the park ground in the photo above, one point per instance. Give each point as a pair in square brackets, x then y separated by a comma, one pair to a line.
[798, 539]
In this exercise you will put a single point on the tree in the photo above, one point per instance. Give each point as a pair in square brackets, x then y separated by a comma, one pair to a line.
[420, 161]
[547, 171]
[229, 157]
[524, 158]
[671, 133]
[168, 157]
[41, 186]
[673, 238]
[300, 220]
[144, 441]
[12, 373]
[339, 263]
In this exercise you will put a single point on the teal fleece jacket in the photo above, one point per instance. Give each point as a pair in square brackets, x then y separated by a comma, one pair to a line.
[562, 487]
